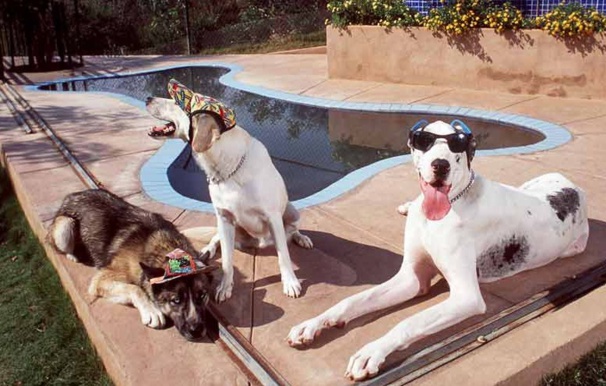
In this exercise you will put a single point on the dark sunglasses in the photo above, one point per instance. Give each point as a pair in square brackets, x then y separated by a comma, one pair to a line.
[424, 140]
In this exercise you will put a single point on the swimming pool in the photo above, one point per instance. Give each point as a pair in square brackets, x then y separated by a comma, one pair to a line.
[320, 151]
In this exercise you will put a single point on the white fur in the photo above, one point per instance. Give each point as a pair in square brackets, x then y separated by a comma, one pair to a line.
[63, 236]
[254, 199]
[486, 216]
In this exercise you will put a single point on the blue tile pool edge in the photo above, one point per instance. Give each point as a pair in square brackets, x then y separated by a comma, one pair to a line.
[154, 176]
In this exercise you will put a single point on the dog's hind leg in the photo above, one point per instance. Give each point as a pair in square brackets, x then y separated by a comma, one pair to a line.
[209, 251]
[63, 234]
[291, 222]
[110, 285]
[204, 235]
[302, 240]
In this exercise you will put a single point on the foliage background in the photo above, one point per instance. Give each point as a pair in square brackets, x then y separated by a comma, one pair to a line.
[43, 29]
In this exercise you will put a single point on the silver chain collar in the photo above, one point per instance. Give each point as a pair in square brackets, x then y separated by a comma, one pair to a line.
[217, 178]
[466, 189]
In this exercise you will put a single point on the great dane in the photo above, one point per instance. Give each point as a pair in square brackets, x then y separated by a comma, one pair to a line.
[469, 230]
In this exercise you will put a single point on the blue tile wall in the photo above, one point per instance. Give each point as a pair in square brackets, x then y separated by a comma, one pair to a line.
[530, 8]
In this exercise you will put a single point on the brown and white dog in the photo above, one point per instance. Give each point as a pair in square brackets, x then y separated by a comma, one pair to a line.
[466, 228]
[247, 192]
[131, 247]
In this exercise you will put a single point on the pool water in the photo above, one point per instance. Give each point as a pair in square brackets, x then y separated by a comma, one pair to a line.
[311, 147]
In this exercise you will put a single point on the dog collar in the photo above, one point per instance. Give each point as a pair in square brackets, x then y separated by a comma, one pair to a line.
[466, 189]
[217, 178]
[179, 264]
[193, 103]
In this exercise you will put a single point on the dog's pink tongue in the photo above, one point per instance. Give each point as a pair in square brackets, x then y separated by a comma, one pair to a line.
[435, 201]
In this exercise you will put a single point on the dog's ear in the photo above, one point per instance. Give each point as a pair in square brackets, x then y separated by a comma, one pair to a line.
[151, 272]
[205, 131]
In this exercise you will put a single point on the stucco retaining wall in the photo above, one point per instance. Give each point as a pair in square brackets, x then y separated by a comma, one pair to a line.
[528, 62]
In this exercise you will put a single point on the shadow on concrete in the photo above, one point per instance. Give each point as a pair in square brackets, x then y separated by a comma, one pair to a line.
[92, 134]
[354, 263]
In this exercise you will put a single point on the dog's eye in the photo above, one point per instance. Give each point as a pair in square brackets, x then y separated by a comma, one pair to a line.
[175, 300]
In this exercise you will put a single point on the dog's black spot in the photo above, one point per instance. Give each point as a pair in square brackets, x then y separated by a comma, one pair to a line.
[565, 202]
[529, 212]
[503, 258]
[458, 159]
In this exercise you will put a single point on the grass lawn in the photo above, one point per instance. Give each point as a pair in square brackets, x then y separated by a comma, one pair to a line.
[590, 370]
[42, 341]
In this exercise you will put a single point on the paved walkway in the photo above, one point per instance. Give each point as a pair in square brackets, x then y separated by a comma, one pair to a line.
[358, 236]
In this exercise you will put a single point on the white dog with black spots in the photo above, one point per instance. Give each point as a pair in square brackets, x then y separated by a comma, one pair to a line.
[469, 230]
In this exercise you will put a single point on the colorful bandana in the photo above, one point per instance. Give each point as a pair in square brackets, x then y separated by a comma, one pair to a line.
[179, 264]
[193, 103]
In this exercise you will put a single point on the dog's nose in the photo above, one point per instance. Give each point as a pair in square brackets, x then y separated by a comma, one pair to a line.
[197, 331]
[440, 167]
[148, 100]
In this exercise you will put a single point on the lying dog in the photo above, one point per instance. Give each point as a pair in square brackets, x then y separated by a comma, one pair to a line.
[467, 228]
[246, 190]
[142, 259]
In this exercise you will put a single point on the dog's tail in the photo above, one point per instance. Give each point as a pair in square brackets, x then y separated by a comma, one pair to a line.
[200, 235]
[61, 235]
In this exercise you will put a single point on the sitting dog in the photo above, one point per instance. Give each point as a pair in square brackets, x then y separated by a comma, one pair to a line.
[467, 228]
[248, 193]
[142, 259]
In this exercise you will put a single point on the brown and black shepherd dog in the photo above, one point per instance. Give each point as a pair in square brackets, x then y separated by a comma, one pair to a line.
[129, 246]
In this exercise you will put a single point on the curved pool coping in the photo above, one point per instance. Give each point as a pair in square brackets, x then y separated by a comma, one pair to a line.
[154, 176]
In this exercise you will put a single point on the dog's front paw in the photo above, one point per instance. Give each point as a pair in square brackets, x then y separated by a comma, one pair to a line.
[223, 292]
[291, 286]
[366, 362]
[302, 240]
[151, 316]
[304, 333]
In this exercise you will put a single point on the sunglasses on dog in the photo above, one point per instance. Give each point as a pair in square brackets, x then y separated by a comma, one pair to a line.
[424, 140]
[457, 142]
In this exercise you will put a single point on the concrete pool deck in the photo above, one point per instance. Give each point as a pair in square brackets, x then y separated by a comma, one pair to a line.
[358, 236]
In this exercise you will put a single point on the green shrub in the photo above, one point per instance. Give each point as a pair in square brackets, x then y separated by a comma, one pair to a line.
[388, 13]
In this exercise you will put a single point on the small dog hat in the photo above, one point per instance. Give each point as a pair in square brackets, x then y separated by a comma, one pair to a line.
[179, 264]
[193, 103]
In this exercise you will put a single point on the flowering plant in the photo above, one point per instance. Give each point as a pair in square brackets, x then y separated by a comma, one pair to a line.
[386, 13]
[457, 17]
[567, 20]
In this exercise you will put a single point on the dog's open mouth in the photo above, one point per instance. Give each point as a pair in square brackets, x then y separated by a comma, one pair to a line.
[436, 204]
[162, 131]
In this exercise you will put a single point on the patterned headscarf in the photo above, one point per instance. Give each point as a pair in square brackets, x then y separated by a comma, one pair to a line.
[193, 103]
